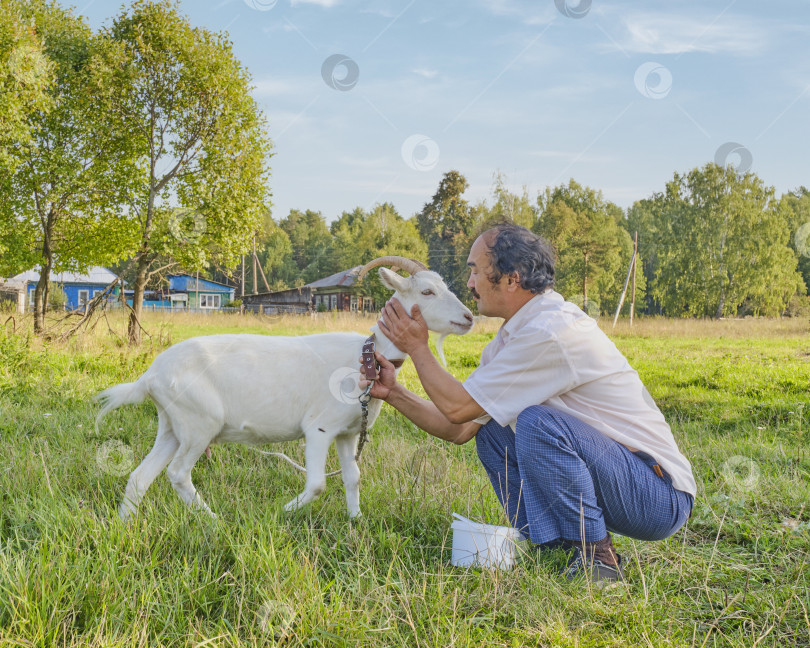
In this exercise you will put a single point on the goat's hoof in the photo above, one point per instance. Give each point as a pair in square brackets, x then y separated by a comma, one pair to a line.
[355, 514]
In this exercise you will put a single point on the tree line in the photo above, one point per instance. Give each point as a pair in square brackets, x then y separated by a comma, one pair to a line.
[140, 147]
[714, 243]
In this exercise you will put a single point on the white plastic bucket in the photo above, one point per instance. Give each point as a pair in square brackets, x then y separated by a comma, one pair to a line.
[485, 545]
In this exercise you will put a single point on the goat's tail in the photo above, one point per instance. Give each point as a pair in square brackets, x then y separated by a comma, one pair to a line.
[124, 394]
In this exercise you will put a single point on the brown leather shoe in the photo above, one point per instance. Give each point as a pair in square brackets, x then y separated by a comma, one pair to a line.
[594, 570]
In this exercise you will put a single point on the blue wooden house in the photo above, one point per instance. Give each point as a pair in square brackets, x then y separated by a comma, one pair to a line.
[79, 288]
[188, 291]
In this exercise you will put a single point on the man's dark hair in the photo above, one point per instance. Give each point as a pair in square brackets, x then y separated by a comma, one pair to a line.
[517, 250]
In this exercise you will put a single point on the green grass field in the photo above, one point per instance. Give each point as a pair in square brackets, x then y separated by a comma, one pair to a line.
[71, 574]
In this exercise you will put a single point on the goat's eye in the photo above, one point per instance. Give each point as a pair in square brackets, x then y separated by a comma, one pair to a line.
[428, 292]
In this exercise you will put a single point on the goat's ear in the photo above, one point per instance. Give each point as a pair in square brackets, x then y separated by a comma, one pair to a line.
[392, 280]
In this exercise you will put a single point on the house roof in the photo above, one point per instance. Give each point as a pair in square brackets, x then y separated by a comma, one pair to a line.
[96, 275]
[343, 278]
[190, 282]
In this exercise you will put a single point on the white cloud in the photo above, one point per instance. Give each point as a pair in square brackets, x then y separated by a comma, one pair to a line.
[673, 34]
[426, 73]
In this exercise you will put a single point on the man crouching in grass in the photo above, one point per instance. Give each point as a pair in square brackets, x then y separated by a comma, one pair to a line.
[568, 434]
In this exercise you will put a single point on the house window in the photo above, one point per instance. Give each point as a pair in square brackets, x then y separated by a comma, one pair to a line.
[353, 304]
[84, 297]
[209, 301]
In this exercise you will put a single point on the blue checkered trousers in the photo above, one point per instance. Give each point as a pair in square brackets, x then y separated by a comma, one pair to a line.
[556, 474]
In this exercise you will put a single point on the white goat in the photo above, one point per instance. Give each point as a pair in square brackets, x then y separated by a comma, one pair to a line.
[257, 389]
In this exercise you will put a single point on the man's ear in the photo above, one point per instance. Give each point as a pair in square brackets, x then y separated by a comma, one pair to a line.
[392, 280]
[513, 281]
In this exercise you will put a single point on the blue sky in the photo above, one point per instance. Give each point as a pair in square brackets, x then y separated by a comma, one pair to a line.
[372, 102]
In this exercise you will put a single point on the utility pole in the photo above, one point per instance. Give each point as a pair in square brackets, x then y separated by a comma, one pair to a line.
[633, 293]
[255, 287]
[624, 290]
[242, 289]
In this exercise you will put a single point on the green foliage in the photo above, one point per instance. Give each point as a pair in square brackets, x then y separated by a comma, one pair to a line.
[446, 224]
[25, 75]
[360, 237]
[508, 207]
[593, 250]
[798, 202]
[722, 243]
[185, 100]
[65, 200]
[57, 298]
[311, 253]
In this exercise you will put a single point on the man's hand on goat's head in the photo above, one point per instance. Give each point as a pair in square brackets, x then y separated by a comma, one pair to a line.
[407, 332]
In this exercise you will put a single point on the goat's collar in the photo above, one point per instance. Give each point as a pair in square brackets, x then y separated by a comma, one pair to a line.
[370, 365]
[387, 348]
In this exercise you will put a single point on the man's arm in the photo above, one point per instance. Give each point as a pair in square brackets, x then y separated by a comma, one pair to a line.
[427, 417]
[410, 335]
[420, 411]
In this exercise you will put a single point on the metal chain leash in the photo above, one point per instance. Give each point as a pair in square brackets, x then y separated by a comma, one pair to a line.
[364, 399]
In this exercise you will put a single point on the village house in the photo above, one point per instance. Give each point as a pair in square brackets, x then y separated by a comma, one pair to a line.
[79, 288]
[340, 291]
[189, 292]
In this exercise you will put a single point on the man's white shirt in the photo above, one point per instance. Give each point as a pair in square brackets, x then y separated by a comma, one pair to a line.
[551, 353]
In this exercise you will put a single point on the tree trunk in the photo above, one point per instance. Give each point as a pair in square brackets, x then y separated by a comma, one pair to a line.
[142, 269]
[141, 277]
[585, 284]
[41, 291]
[721, 304]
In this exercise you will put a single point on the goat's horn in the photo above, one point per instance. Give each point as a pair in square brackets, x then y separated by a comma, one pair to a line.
[411, 266]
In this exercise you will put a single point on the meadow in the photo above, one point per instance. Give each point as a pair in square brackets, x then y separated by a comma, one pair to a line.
[71, 574]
